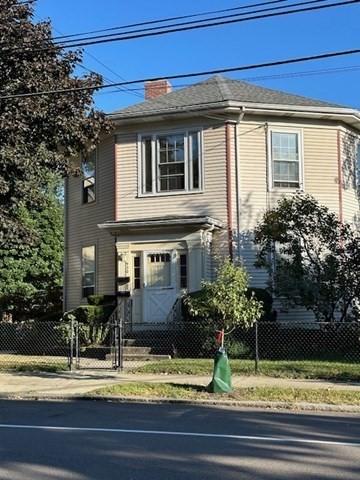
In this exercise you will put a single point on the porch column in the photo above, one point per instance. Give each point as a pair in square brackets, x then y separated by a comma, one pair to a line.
[123, 267]
[195, 263]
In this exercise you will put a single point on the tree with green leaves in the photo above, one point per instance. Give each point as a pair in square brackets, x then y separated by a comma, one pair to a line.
[312, 258]
[225, 301]
[39, 134]
[31, 277]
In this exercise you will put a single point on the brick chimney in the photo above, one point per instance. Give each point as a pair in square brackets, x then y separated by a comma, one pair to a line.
[155, 88]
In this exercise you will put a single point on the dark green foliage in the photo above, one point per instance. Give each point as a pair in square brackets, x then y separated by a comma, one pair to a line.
[31, 277]
[51, 317]
[264, 296]
[101, 300]
[93, 321]
[312, 258]
[38, 134]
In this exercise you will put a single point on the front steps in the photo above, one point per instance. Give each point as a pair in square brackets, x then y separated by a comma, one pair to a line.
[138, 350]
[133, 353]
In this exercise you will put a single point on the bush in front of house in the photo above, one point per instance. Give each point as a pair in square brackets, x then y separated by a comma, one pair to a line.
[93, 322]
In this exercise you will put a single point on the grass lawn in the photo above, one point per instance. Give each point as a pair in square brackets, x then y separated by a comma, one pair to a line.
[304, 369]
[197, 392]
[26, 363]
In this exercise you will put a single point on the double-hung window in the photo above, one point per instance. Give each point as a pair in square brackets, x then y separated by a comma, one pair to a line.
[286, 159]
[88, 271]
[170, 163]
[88, 184]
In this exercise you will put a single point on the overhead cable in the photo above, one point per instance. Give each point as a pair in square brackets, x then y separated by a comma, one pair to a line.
[179, 29]
[187, 75]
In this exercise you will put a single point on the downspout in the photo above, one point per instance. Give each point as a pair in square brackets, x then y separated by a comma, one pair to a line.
[115, 219]
[238, 179]
[229, 187]
[267, 168]
[115, 180]
[66, 188]
[340, 176]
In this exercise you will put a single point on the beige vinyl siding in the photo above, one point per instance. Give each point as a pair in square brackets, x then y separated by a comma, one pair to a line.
[212, 201]
[348, 141]
[320, 177]
[253, 192]
[321, 166]
[82, 229]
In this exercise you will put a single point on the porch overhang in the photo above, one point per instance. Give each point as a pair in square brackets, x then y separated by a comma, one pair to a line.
[169, 223]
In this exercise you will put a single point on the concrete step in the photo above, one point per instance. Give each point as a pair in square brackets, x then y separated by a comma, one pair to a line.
[142, 357]
[129, 350]
[145, 358]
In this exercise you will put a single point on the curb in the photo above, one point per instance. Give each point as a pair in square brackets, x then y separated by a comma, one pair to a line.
[300, 406]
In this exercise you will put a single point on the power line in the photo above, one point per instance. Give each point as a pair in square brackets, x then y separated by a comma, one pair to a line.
[68, 43]
[187, 75]
[170, 19]
[181, 29]
[119, 89]
[305, 73]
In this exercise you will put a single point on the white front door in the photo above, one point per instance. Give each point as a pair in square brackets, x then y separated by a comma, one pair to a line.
[159, 292]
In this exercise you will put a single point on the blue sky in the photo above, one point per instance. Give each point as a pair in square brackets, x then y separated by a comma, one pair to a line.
[264, 40]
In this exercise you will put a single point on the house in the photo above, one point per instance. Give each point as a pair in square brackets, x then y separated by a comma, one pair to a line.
[186, 175]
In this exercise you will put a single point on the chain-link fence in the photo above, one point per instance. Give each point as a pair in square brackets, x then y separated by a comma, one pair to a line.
[125, 345]
[32, 345]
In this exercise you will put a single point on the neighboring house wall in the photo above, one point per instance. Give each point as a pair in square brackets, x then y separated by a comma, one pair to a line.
[82, 230]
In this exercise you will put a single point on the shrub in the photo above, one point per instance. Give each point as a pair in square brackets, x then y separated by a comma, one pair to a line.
[93, 320]
[101, 300]
[263, 295]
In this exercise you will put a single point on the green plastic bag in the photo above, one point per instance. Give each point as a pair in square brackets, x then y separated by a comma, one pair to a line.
[221, 381]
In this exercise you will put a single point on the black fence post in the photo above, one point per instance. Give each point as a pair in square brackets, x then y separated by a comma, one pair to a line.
[256, 349]
[121, 335]
[71, 352]
[77, 353]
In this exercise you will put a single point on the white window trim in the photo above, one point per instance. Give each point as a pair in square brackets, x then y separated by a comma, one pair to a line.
[141, 165]
[300, 133]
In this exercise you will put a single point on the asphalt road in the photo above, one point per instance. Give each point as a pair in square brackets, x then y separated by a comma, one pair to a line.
[100, 440]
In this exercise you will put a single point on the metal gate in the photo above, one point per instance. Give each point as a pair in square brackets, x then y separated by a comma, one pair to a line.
[107, 352]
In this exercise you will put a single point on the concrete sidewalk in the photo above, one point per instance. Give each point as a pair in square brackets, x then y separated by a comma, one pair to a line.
[81, 382]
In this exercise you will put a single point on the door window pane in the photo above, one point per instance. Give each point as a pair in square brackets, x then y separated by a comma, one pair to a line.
[158, 270]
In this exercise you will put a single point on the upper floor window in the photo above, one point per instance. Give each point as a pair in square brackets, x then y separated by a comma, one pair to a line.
[285, 159]
[88, 184]
[170, 163]
[88, 271]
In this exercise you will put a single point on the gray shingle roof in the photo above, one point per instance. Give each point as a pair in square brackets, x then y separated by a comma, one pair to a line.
[216, 91]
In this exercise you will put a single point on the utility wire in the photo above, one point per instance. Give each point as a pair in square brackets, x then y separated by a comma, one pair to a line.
[187, 75]
[170, 19]
[68, 43]
[119, 89]
[304, 73]
[180, 29]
